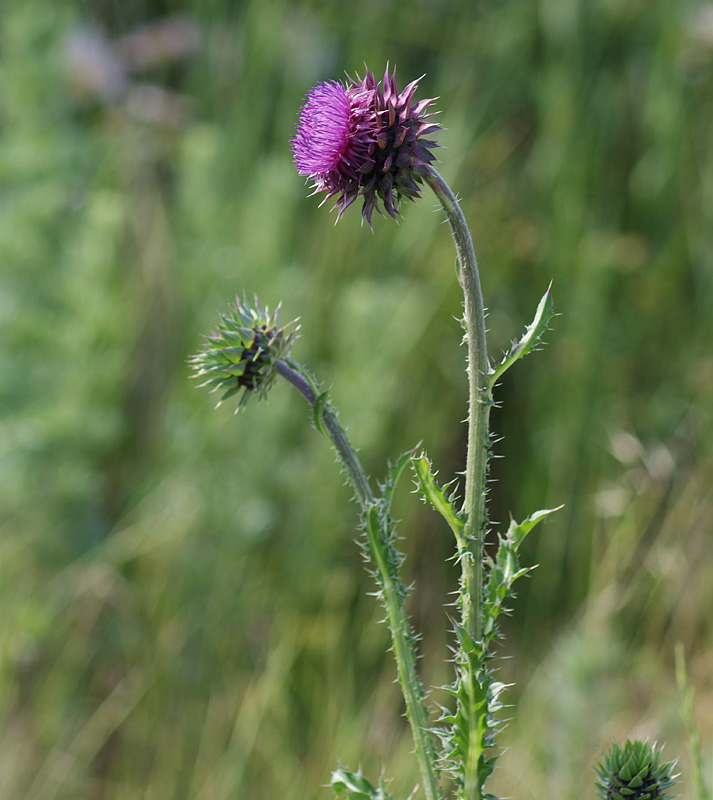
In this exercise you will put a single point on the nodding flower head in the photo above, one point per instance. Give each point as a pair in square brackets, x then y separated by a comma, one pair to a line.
[634, 772]
[240, 355]
[364, 140]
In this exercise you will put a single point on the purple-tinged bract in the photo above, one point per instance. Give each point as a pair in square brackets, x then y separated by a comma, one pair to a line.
[364, 140]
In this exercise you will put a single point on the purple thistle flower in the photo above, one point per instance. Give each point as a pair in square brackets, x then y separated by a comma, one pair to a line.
[364, 140]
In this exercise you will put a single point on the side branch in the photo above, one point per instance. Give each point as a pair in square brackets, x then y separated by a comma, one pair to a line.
[335, 432]
[379, 533]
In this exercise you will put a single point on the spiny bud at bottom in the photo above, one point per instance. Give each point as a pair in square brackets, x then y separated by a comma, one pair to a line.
[634, 772]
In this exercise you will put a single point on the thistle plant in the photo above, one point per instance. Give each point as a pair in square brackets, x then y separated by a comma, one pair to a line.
[366, 140]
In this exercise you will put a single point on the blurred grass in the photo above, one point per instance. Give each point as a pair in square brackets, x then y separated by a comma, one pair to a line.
[183, 609]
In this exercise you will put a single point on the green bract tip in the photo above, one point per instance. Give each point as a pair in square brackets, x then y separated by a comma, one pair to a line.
[239, 357]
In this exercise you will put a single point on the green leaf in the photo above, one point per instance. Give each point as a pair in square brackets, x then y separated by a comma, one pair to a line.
[505, 569]
[530, 339]
[318, 411]
[395, 472]
[437, 496]
[517, 531]
[373, 521]
[356, 786]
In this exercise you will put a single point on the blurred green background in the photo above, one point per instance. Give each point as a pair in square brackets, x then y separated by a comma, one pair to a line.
[183, 612]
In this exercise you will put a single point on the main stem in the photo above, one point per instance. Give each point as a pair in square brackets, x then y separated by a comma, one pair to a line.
[480, 401]
[378, 536]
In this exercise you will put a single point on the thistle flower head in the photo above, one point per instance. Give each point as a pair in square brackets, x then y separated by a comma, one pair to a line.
[634, 772]
[240, 355]
[364, 139]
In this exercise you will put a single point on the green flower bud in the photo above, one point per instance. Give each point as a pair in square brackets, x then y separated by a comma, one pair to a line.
[239, 357]
[634, 772]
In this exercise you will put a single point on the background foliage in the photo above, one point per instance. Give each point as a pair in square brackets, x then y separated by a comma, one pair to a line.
[183, 608]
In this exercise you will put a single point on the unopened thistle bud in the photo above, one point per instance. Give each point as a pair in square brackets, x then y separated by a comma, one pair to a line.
[364, 140]
[634, 772]
[239, 357]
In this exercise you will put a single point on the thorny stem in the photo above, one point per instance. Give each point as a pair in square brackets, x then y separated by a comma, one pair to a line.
[470, 548]
[378, 532]
[346, 453]
[480, 401]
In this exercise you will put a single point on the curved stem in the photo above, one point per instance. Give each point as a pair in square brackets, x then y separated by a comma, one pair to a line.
[335, 431]
[480, 401]
[379, 530]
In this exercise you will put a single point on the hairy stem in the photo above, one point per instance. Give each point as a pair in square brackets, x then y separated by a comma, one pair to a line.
[348, 457]
[480, 400]
[379, 529]
[379, 532]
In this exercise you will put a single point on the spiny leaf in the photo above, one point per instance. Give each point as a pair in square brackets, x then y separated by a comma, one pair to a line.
[395, 471]
[380, 549]
[505, 569]
[437, 496]
[517, 531]
[471, 727]
[356, 786]
[530, 339]
[318, 411]
[372, 523]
